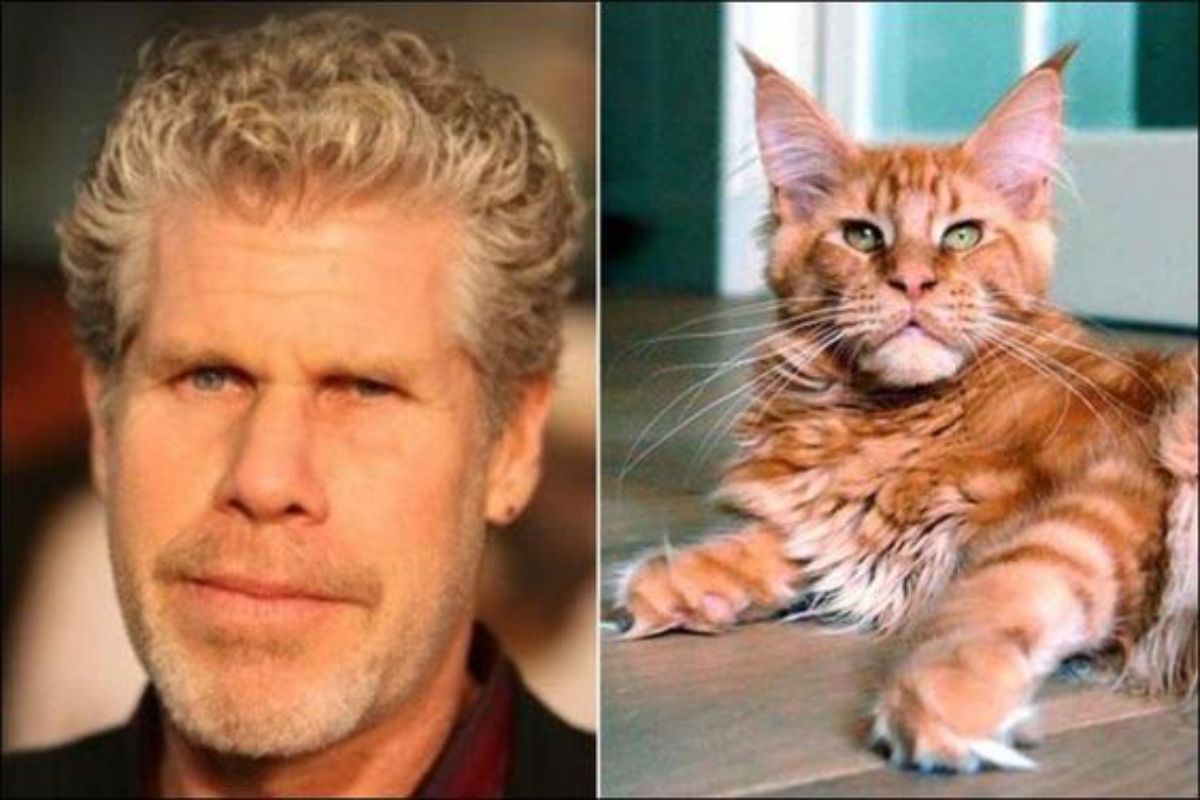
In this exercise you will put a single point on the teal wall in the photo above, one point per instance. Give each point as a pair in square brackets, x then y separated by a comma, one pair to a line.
[937, 67]
[1101, 81]
[1166, 79]
[660, 111]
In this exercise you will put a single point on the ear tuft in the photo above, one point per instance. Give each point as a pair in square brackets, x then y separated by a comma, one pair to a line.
[1058, 61]
[759, 67]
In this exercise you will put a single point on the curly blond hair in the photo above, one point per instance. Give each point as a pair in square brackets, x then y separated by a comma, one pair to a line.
[354, 106]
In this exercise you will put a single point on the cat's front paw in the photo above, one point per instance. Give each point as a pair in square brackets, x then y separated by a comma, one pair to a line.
[677, 590]
[705, 589]
[955, 712]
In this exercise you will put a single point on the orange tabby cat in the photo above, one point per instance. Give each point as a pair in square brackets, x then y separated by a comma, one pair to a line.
[940, 450]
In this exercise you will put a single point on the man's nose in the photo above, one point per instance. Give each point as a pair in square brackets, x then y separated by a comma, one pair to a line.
[272, 475]
[913, 278]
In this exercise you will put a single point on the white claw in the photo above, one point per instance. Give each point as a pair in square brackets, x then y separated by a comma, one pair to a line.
[1016, 720]
[880, 732]
[1000, 755]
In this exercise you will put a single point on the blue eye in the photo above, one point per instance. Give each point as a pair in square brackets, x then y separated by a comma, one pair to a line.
[209, 379]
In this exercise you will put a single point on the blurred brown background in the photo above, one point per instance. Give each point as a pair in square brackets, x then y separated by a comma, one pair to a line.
[68, 667]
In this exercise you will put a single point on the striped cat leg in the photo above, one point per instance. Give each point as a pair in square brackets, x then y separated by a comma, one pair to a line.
[1054, 589]
[709, 586]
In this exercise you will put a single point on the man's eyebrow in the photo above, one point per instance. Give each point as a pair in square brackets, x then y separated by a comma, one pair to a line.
[369, 367]
[172, 357]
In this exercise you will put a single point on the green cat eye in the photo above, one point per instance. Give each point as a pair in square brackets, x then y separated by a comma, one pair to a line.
[962, 236]
[862, 236]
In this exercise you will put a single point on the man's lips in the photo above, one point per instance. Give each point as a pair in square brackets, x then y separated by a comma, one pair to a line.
[261, 590]
[253, 606]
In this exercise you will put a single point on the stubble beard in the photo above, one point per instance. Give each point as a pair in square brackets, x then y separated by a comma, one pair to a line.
[257, 715]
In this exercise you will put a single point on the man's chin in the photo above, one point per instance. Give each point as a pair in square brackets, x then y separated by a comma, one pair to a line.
[910, 359]
[261, 705]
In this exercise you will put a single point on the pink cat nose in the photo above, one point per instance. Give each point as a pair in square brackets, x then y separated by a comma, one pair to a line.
[913, 286]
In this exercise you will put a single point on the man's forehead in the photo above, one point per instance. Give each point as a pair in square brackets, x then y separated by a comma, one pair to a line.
[372, 283]
[396, 236]
[376, 255]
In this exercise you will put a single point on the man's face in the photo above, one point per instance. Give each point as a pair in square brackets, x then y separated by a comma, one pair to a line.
[296, 422]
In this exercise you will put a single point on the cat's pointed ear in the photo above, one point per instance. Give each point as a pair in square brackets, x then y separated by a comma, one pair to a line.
[802, 148]
[1016, 147]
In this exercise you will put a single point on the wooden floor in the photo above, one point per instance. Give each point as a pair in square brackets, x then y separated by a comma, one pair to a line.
[781, 709]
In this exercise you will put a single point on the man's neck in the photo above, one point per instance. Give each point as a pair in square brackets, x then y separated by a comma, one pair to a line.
[388, 757]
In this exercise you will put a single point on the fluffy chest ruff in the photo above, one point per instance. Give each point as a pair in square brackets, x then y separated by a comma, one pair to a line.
[865, 499]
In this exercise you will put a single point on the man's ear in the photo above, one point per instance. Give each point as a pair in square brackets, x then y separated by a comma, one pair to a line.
[515, 464]
[92, 391]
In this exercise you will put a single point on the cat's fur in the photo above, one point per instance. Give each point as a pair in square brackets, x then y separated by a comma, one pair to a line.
[992, 481]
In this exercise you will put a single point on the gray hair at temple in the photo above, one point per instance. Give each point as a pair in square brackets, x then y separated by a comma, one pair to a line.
[357, 108]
